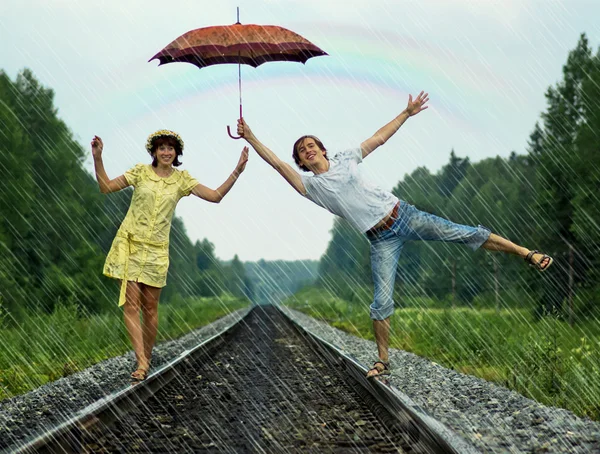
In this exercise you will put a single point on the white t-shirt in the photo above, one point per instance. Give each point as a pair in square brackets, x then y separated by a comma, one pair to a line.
[342, 191]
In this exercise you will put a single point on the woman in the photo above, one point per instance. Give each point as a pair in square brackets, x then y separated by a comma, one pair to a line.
[139, 255]
[388, 222]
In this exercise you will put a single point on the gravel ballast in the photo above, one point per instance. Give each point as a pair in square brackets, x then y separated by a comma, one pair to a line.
[234, 403]
[492, 418]
[24, 416]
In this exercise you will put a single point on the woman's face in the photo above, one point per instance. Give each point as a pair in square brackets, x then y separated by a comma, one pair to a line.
[165, 154]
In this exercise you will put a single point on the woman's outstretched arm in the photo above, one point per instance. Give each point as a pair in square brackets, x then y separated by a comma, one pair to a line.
[216, 195]
[106, 184]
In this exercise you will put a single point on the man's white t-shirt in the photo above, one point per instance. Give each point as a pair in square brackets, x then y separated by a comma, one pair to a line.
[342, 191]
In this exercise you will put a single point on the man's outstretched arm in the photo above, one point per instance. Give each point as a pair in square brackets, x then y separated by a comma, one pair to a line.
[387, 131]
[284, 169]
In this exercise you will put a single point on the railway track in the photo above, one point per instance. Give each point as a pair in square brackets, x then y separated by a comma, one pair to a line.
[263, 385]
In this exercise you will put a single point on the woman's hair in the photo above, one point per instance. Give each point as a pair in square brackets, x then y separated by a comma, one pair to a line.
[167, 140]
[299, 142]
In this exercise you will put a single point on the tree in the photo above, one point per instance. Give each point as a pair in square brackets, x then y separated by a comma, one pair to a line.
[55, 226]
[555, 156]
[452, 173]
[205, 255]
[236, 281]
[586, 207]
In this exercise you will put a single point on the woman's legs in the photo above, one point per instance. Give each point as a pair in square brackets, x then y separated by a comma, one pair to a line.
[131, 314]
[150, 297]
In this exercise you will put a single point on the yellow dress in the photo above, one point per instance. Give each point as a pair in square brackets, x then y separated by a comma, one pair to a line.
[140, 250]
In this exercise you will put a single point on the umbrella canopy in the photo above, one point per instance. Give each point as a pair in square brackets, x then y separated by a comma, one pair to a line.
[245, 44]
[238, 43]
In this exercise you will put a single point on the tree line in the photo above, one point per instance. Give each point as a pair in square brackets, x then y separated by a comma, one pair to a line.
[56, 227]
[545, 199]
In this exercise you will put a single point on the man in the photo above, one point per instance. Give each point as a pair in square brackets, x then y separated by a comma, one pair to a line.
[388, 223]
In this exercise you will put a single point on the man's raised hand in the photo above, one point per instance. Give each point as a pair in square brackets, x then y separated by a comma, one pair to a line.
[416, 106]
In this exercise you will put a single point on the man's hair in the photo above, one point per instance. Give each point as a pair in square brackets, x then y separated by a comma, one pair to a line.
[167, 140]
[297, 145]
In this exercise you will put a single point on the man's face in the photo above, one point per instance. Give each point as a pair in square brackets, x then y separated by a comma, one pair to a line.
[309, 152]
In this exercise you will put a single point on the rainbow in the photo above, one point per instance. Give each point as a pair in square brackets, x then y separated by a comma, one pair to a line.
[385, 62]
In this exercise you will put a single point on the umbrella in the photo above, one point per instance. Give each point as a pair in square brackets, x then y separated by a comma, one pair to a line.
[238, 43]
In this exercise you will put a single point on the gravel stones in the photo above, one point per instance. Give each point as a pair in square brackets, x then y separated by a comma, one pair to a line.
[491, 417]
[22, 417]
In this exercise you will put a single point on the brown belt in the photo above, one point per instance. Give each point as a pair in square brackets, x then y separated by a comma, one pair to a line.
[389, 222]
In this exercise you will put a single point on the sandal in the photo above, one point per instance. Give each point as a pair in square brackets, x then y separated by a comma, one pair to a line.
[139, 374]
[538, 264]
[380, 372]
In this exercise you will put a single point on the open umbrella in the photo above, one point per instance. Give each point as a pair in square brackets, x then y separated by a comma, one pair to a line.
[248, 44]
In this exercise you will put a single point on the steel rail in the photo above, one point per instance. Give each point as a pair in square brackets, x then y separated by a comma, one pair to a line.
[424, 430]
[67, 437]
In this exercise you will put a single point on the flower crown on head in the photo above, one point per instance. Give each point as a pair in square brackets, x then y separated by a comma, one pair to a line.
[163, 133]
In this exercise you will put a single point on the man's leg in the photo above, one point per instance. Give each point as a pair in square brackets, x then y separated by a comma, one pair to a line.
[382, 337]
[429, 227]
[497, 243]
[384, 261]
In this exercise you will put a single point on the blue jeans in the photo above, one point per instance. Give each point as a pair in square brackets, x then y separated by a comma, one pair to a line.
[411, 224]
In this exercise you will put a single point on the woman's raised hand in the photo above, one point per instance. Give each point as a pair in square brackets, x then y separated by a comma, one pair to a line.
[97, 147]
[241, 165]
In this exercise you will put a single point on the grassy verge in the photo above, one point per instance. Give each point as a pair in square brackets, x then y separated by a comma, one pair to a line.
[43, 348]
[546, 360]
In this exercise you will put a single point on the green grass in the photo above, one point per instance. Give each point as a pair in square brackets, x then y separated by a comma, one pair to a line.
[42, 348]
[546, 360]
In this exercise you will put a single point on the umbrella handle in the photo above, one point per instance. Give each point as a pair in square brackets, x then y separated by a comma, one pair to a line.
[232, 136]
[240, 88]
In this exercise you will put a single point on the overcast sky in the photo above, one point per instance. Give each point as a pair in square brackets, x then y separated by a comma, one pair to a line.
[486, 65]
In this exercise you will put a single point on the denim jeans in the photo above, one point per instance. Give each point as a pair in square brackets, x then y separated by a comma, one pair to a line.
[411, 224]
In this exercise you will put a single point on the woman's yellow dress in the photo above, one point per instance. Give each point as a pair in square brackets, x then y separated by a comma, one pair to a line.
[140, 250]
